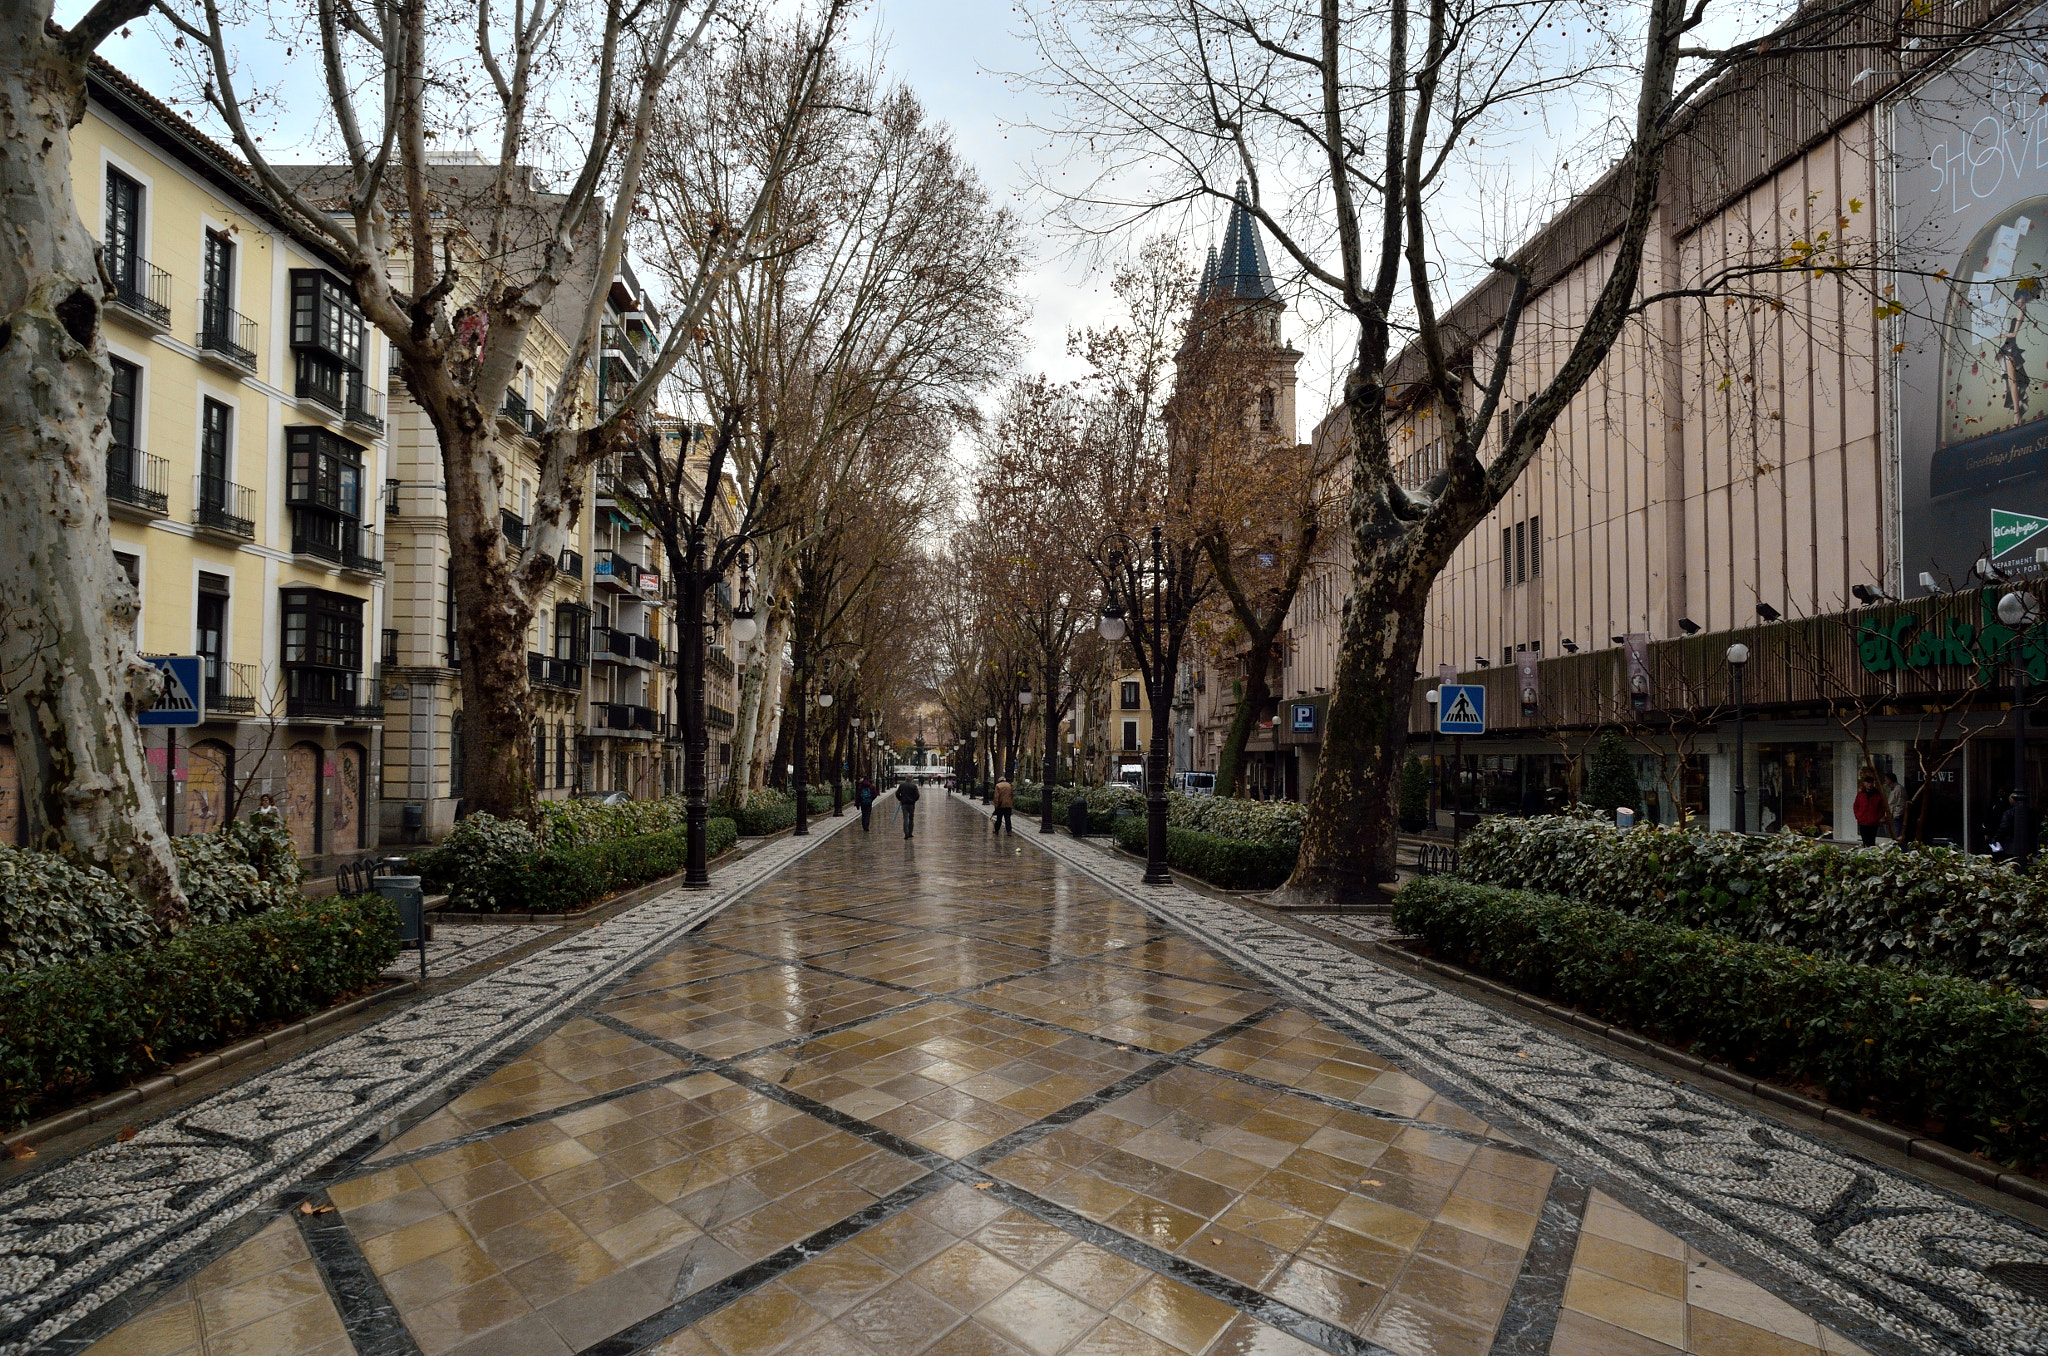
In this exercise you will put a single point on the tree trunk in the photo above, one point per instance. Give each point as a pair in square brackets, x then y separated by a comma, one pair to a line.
[73, 685]
[492, 608]
[1348, 843]
[768, 725]
[1230, 767]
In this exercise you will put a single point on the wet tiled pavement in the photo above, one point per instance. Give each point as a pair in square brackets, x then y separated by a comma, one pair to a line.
[955, 1096]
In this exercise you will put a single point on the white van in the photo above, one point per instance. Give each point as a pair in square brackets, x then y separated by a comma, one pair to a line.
[1198, 783]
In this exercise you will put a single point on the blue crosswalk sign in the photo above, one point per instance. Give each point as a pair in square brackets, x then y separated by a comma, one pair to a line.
[183, 700]
[1461, 709]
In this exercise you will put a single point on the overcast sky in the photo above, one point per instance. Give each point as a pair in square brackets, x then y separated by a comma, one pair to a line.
[953, 53]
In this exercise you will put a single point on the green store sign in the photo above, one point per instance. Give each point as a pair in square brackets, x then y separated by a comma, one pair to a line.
[1911, 641]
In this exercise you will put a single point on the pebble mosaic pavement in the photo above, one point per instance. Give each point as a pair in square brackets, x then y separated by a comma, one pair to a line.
[981, 1096]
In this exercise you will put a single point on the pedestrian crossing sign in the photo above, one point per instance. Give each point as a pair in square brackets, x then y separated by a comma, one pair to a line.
[183, 699]
[1461, 710]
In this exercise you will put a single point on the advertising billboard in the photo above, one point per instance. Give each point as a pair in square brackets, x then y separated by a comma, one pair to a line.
[1970, 223]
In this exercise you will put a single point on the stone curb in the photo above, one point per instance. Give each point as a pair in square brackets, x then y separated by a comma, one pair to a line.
[149, 1089]
[1891, 1137]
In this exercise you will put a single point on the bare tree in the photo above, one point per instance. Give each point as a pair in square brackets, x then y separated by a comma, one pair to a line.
[458, 314]
[1032, 574]
[72, 681]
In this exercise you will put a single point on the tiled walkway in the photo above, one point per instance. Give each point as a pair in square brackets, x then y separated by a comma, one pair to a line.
[962, 1096]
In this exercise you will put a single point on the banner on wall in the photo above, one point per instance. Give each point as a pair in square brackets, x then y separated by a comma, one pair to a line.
[1970, 213]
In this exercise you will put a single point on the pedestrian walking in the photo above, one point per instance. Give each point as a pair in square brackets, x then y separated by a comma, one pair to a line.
[864, 797]
[1895, 803]
[2010, 825]
[1005, 800]
[1870, 808]
[906, 796]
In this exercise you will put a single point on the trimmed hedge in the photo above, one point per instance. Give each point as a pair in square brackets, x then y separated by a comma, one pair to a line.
[1227, 863]
[1923, 908]
[1966, 1060]
[84, 1026]
[570, 878]
[755, 820]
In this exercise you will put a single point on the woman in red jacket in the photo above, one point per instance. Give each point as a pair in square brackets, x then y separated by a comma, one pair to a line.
[1871, 809]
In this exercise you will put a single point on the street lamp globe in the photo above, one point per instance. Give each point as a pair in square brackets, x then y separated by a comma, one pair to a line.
[1738, 654]
[824, 699]
[2018, 609]
[1112, 624]
[744, 627]
[856, 723]
[990, 722]
[1024, 699]
[1432, 696]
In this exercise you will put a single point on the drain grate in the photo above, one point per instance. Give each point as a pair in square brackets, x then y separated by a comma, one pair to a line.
[2029, 1278]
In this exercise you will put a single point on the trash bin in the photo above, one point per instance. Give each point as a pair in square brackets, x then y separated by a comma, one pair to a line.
[411, 901]
[1077, 818]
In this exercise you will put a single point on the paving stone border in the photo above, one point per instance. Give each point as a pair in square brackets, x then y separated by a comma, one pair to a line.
[77, 1234]
[1894, 1263]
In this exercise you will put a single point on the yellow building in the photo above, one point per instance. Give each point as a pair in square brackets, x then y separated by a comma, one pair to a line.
[247, 434]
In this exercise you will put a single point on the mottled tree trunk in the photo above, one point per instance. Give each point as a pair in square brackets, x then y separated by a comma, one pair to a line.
[1230, 765]
[493, 607]
[73, 684]
[768, 725]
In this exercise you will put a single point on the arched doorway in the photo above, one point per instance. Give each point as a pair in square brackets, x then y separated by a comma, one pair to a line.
[351, 765]
[209, 783]
[302, 798]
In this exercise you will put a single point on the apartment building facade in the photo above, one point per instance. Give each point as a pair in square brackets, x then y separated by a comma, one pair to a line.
[1840, 471]
[246, 433]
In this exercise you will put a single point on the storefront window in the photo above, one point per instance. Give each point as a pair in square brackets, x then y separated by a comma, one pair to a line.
[1796, 788]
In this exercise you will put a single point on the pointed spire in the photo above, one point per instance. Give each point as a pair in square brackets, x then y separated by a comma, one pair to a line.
[1240, 271]
[1208, 276]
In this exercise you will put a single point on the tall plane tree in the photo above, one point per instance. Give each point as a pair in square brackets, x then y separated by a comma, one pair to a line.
[395, 76]
[1365, 112]
[72, 681]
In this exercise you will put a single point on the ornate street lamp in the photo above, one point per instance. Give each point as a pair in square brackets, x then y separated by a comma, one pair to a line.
[988, 788]
[2020, 612]
[1738, 655]
[1164, 613]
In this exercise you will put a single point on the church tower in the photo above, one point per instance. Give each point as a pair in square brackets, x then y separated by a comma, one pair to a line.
[1238, 273]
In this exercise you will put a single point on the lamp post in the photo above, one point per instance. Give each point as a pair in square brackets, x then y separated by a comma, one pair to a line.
[2019, 611]
[988, 787]
[1023, 713]
[859, 749]
[825, 704]
[1433, 696]
[1738, 655]
[697, 577]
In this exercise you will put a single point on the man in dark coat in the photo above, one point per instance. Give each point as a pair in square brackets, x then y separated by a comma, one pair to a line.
[864, 797]
[906, 796]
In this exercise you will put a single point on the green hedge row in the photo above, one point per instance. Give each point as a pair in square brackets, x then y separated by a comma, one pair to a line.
[1923, 908]
[756, 820]
[83, 1026]
[1227, 863]
[1964, 1059]
[570, 878]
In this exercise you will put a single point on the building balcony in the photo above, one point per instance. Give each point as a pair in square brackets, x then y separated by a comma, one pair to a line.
[609, 569]
[514, 528]
[343, 709]
[571, 563]
[716, 660]
[613, 718]
[144, 296]
[623, 349]
[337, 542]
[227, 338]
[365, 408]
[231, 691]
[610, 645]
[718, 718]
[221, 508]
[547, 671]
[138, 485]
[524, 421]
